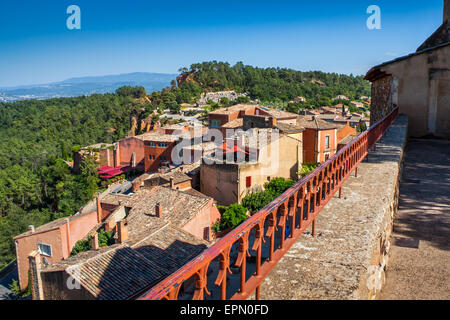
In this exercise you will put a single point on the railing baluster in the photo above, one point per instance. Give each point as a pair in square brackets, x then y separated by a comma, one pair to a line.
[301, 205]
[224, 268]
[271, 232]
[257, 245]
[200, 284]
[241, 260]
[282, 223]
[292, 214]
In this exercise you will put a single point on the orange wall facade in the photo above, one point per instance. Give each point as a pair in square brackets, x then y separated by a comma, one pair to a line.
[204, 219]
[324, 152]
[314, 149]
[344, 132]
[126, 149]
[61, 239]
[309, 145]
[224, 118]
[156, 153]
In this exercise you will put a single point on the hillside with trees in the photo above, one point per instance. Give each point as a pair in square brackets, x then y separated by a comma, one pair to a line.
[36, 138]
[270, 84]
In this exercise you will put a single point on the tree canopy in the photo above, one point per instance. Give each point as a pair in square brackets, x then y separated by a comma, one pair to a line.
[37, 139]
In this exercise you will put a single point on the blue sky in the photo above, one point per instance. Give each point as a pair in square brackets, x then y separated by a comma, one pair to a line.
[162, 36]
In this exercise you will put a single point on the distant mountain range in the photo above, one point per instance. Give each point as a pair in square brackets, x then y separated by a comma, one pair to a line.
[86, 86]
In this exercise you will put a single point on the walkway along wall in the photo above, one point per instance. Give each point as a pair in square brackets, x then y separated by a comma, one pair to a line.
[346, 264]
[347, 259]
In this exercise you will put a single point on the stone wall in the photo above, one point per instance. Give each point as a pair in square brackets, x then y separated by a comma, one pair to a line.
[420, 86]
[381, 92]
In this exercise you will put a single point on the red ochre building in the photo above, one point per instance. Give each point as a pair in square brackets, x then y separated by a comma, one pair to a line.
[232, 117]
[146, 152]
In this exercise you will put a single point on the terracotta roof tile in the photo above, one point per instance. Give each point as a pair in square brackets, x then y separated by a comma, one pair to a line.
[313, 122]
[156, 246]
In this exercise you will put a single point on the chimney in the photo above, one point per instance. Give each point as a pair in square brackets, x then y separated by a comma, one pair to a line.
[94, 241]
[446, 11]
[207, 233]
[34, 260]
[68, 236]
[172, 183]
[116, 156]
[272, 122]
[136, 185]
[158, 210]
[31, 228]
[99, 209]
[122, 231]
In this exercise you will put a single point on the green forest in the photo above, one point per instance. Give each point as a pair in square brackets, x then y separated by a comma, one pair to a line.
[37, 137]
[273, 84]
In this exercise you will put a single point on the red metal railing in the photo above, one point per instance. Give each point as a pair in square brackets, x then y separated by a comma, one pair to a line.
[276, 228]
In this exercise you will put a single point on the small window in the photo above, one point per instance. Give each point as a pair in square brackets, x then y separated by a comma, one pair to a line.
[248, 182]
[162, 145]
[215, 124]
[45, 249]
[152, 144]
[327, 142]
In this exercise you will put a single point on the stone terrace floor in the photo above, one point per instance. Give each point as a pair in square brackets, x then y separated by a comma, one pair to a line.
[422, 270]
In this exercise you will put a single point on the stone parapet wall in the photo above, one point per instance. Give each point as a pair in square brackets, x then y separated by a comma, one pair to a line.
[348, 257]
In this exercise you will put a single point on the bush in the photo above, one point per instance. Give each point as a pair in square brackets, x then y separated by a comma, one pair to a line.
[361, 128]
[174, 107]
[105, 238]
[258, 200]
[15, 289]
[80, 246]
[221, 209]
[75, 148]
[279, 185]
[128, 91]
[216, 227]
[233, 216]
[273, 189]
[309, 167]
[243, 99]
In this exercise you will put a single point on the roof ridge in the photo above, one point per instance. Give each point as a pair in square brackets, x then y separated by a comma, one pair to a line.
[187, 193]
[150, 235]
